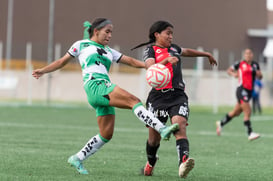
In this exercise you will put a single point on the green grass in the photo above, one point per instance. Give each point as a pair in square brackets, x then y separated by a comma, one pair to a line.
[35, 143]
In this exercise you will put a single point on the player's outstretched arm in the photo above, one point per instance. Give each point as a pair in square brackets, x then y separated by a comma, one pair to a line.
[53, 66]
[232, 72]
[187, 52]
[132, 62]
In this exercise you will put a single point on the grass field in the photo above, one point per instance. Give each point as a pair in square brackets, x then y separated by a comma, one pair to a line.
[35, 142]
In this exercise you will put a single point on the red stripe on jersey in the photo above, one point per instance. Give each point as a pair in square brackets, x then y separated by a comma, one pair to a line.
[245, 75]
[160, 55]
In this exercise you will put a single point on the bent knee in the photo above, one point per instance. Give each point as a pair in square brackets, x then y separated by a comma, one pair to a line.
[180, 120]
[133, 100]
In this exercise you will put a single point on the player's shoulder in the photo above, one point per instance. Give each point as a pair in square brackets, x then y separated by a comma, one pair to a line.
[255, 62]
[255, 65]
[175, 48]
[80, 42]
[239, 62]
[149, 49]
[83, 41]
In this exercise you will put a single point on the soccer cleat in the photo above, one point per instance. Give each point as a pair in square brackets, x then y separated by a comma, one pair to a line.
[165, 132]
[185, 168]
[253, 136]
[77, 163]
[218, 128]
[148, 169]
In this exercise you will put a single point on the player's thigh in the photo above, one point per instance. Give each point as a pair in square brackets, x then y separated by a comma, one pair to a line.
[98, 92]
[122, 98]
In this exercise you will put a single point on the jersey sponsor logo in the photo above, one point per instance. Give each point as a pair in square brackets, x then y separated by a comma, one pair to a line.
[161, 113]
[244, 66]
[74, 49]
[158, 51]
[157, 113]
[86, 45]
[173, 49]
[160, 56]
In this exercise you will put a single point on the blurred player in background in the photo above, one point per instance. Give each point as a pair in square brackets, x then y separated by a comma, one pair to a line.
[246, 71]
[256, 104]
[170, 101]
[96, 57]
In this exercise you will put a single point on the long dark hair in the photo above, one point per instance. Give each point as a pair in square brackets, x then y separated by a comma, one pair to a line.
[96, 24]
[157, 27]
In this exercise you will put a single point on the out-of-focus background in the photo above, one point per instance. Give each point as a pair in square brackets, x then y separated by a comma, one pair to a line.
[34, 33]
[43, 122]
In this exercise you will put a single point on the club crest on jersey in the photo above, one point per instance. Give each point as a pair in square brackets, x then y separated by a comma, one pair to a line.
[101, 51]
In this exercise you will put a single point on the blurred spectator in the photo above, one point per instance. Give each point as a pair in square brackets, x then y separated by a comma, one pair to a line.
[256, 96]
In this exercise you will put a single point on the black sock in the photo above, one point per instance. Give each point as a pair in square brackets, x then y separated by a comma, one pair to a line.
[182, 146]
[151, 153]
[248, 126]
[225, 120]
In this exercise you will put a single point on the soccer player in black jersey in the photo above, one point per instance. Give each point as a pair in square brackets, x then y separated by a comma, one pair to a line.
[246, 71]
[170, 101]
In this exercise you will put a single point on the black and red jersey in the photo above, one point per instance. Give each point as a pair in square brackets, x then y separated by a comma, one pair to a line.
[247, 73]
[159, 54]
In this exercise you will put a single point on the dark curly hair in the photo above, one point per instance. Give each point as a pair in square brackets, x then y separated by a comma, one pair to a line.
[157, 27]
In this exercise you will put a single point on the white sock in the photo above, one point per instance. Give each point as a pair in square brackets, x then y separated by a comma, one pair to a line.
[93, 145]
[147, 117]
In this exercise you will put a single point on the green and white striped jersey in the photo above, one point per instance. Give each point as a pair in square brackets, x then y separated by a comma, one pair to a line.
[95, 59]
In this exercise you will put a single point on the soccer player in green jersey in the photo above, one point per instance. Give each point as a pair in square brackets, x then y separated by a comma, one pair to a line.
[96, 57]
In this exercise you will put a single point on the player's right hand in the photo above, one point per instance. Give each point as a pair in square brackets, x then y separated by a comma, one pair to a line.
[37, 73]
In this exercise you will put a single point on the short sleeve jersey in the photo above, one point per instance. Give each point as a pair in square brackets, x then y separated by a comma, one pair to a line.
[159, 54]
[247, 73]
[95, 59]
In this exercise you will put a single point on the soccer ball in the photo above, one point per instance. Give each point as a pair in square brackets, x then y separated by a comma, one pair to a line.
[158, 76]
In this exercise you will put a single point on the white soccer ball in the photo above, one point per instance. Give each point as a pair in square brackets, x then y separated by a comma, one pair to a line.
[158, 76]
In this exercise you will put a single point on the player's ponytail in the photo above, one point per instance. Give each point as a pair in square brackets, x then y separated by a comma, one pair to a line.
[142, 44]
[87, 25]
[157, 27]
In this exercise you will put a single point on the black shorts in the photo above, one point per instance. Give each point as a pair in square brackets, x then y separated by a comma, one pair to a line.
[168, 103]
[243, 95]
